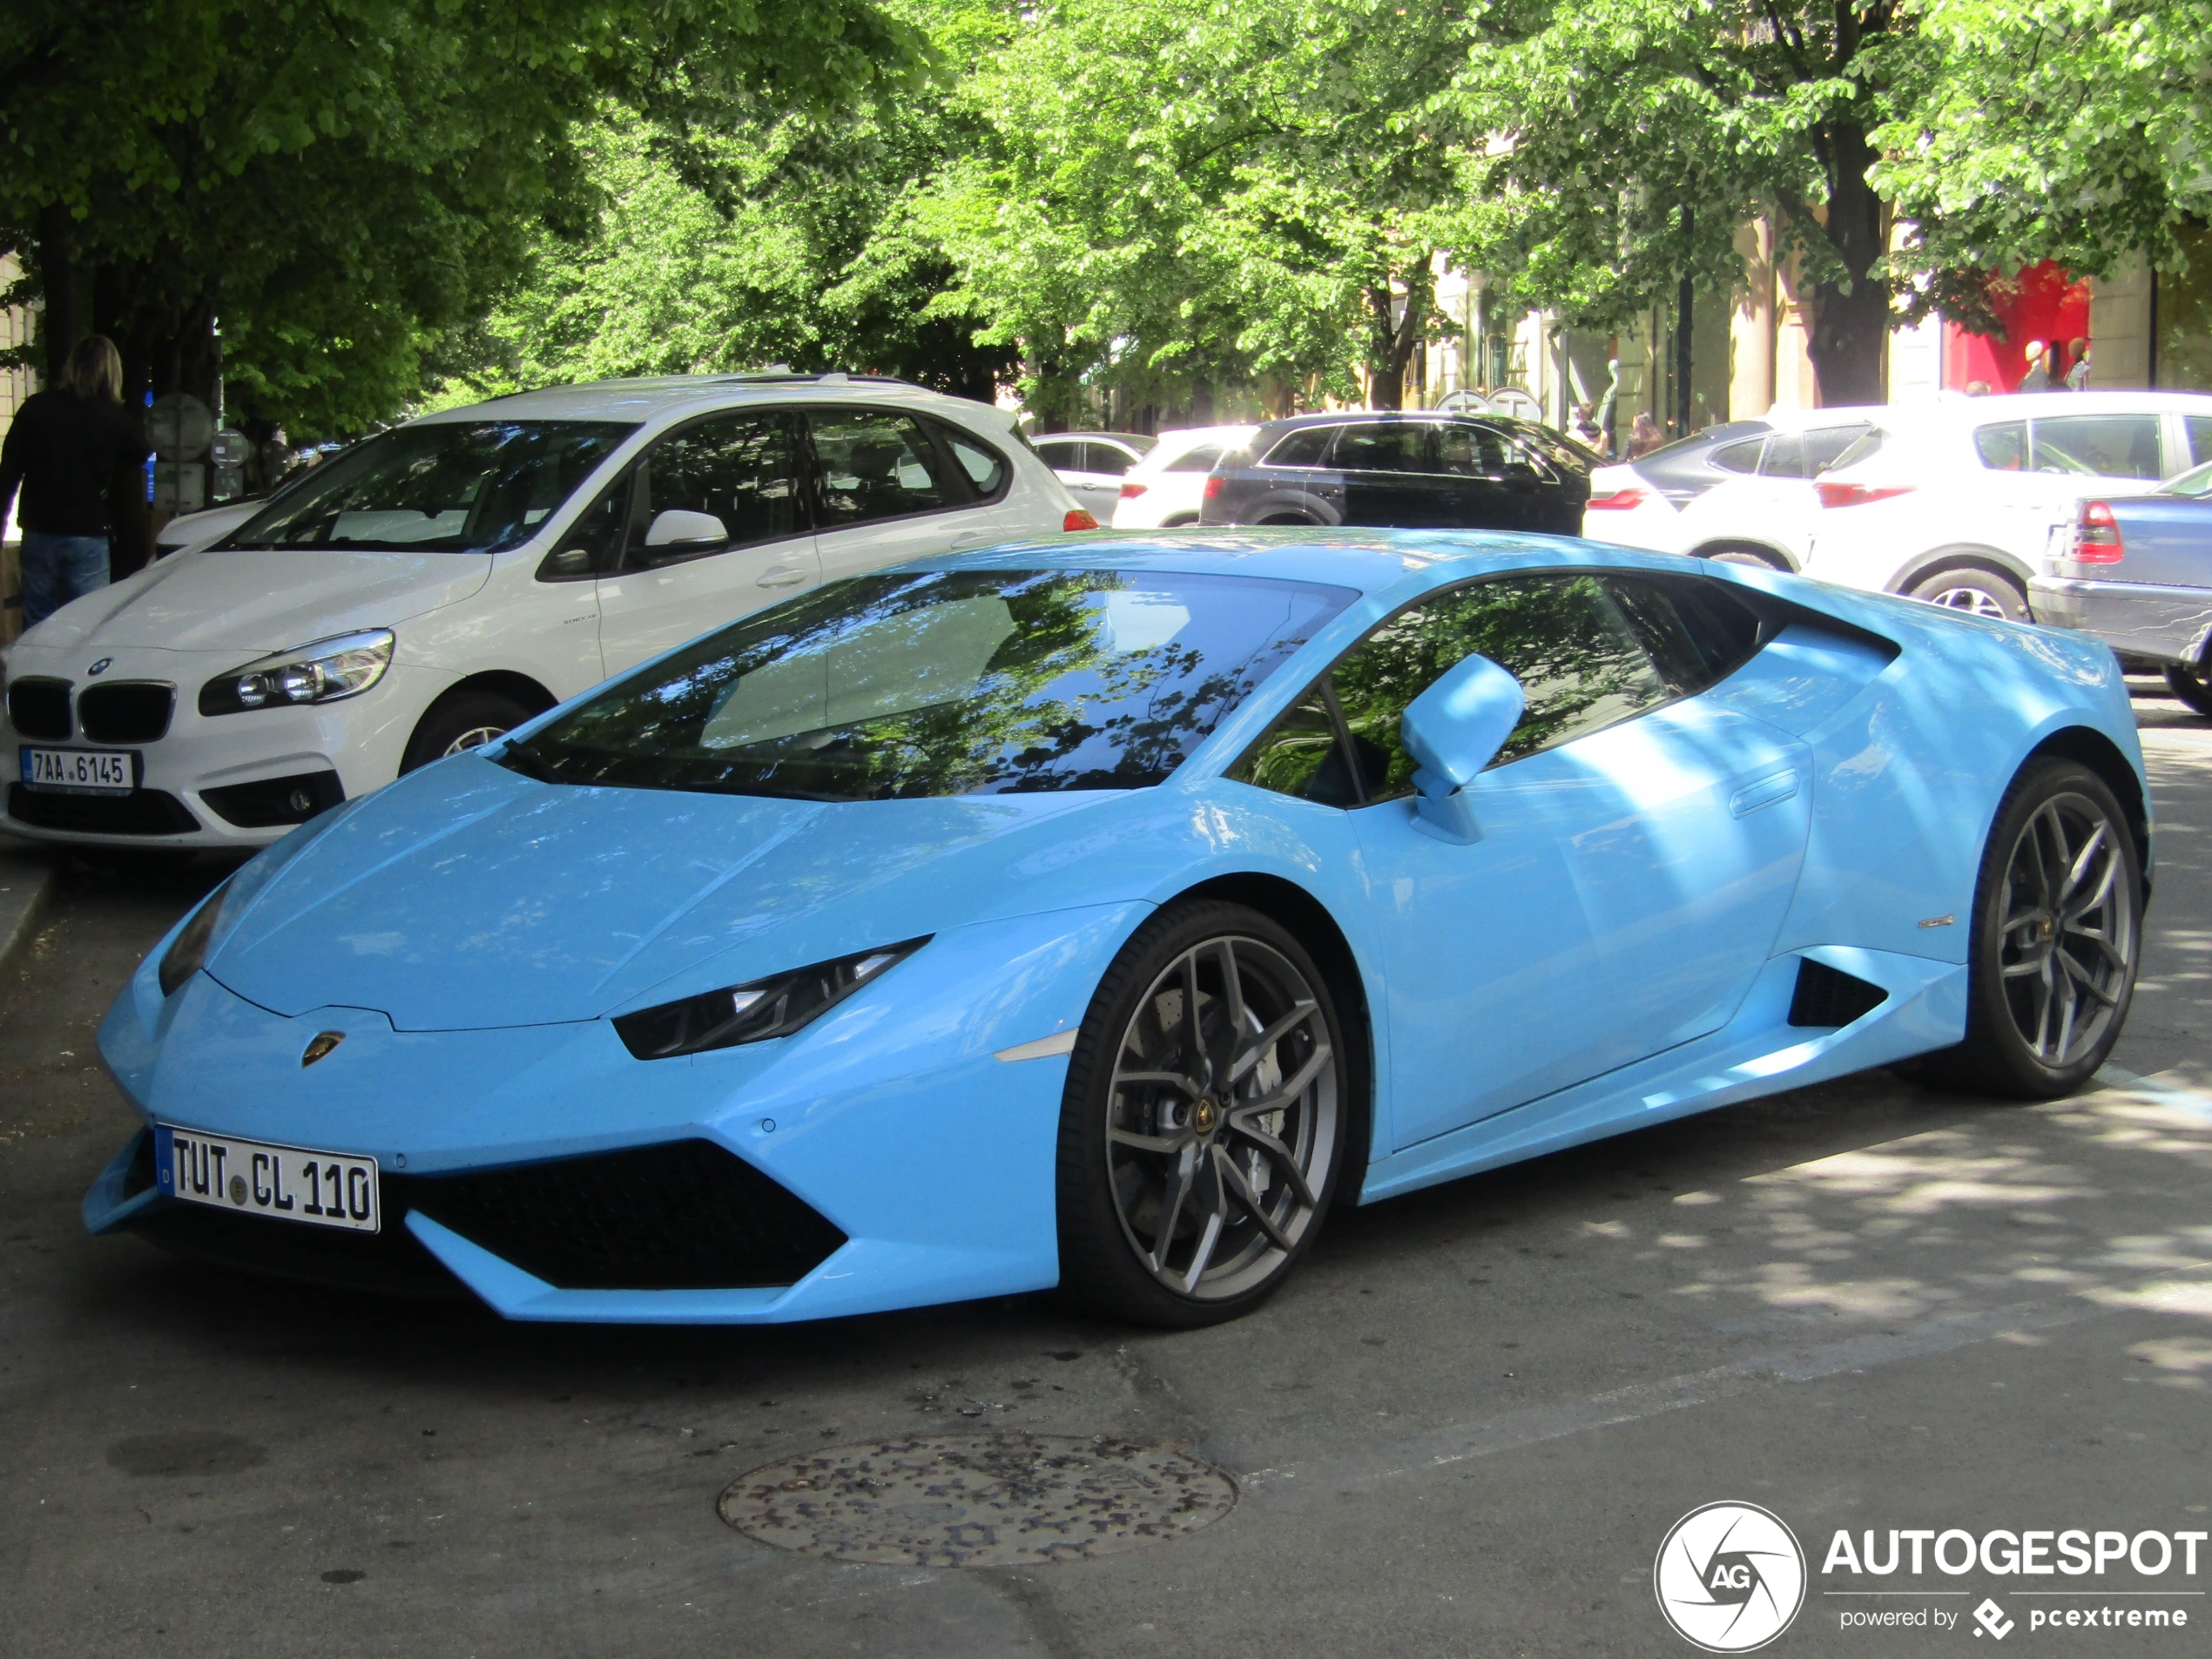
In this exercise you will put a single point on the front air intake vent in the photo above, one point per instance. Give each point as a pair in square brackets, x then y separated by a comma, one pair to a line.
[39, 708]
[1827, 997]
[126, 711]
[684, 1215]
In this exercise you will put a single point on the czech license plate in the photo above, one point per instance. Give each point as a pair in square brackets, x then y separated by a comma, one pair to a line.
[80, 772]
[288, 1182]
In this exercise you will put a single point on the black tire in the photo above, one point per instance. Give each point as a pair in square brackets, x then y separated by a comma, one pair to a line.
[1980, 593]
[2188, 682]
[2028, 984]
[1745, 555]
[1281, 520]
[1245, 1188]
[461, 721]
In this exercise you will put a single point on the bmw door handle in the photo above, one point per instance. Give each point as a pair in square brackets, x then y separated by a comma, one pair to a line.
[968, 538]
[781, 576]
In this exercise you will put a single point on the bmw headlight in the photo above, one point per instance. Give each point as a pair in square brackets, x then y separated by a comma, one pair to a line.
[322, 671]
[754, 1012]
[182, 960]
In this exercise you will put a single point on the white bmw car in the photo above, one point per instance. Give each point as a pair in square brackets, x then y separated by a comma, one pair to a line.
[453, 577]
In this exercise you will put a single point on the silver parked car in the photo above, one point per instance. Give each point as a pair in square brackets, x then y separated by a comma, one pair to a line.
[2137, 572]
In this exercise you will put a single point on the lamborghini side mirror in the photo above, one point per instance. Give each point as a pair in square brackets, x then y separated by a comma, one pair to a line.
[1454, 730]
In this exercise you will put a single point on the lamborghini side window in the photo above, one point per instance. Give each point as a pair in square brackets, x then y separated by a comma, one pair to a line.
[1697, 631]
[1301, 755]
[1580, 665]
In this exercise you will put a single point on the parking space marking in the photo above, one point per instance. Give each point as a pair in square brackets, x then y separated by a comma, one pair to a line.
[1511, 1431]
[2183, 1100]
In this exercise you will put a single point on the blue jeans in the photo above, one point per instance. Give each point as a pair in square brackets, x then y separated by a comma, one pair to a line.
[56, 569]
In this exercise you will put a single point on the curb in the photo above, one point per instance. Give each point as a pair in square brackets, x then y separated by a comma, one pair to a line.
[26, 878]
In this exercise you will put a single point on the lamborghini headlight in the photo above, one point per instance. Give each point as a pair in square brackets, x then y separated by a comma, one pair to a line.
[182, 960]
[322, 671]
[756, 1011]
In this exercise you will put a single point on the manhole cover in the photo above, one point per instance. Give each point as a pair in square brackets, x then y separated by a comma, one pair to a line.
[977, 1500]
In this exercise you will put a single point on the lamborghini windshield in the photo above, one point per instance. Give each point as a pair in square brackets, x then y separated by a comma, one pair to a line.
[440, 487]
[943, 682]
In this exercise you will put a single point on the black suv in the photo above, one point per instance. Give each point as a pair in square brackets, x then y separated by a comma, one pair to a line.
[1413, 470]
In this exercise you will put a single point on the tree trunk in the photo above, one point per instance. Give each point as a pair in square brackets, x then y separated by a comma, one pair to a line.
[1685, 311]
[1391, 345]
[1851, 327]
[120, 312]
[1385, 370]
[57, 282]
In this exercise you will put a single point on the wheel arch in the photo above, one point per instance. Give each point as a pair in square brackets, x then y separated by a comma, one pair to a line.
[1776, 555]
[500, 682]
[1964, 557]
[2089, 747]
[1285, 902]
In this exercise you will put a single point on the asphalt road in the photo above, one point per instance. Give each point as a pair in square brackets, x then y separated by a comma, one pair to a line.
[1463, 1430]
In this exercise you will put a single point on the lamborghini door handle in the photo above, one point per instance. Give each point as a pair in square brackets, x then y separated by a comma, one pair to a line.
[1775, 788]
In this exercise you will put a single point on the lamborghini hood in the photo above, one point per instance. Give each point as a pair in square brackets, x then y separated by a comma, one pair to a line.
[466, 897]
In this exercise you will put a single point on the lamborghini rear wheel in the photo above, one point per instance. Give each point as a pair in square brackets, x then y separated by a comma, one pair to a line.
[2056, 939]
[1203, 1120]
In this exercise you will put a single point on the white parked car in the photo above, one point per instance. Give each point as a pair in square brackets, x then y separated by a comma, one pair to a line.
[1092, 465]
[450, 578]
[1741, 491]
[1167, 487]
[189, 532]
[1965, 502]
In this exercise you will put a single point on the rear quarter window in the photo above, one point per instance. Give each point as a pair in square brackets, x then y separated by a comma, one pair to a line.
[1739, 457]
[1201, 459]
[1303, 447]
[2002, 448]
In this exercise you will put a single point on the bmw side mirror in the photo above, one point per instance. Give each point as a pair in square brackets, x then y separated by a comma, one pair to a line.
[1454, 730]
[676, 531]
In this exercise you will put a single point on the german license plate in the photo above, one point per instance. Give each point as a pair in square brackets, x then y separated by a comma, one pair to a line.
[80, 772]
[287, 1183]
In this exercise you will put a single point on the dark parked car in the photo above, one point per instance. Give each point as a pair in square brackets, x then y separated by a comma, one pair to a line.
[1414, 471]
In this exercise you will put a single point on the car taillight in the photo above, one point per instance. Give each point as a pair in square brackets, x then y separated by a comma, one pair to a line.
[1079, 518]
[1215, 485]
[1618, 501]
[1835, 495]
[2096, 535]
[1130, 492]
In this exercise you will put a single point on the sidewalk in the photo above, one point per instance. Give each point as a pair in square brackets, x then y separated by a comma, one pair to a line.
[26, 876]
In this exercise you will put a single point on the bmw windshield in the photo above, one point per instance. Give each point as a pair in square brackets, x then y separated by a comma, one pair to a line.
[942, 683]
[440, 487]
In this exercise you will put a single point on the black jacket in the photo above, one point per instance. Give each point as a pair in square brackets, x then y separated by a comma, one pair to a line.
[63, 450]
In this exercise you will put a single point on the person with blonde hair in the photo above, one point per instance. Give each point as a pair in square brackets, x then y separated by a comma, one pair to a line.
[64, 449]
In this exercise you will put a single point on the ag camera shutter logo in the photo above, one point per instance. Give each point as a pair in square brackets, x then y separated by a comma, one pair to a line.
[1730, 1577]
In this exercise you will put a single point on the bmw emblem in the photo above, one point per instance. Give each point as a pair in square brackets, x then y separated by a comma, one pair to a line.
[100, 667]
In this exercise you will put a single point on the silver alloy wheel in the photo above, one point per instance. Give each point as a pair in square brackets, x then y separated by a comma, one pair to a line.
[1223, 1115]
[2067, 939]
[1974, 601]
[475, 738]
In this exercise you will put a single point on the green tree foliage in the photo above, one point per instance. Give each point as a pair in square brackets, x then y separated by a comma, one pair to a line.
[784, 237]
[1635, 135]
[347, 184]
[2073, 130]
[1171, 194]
